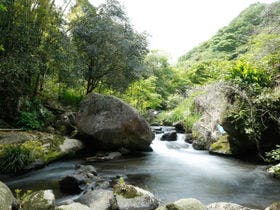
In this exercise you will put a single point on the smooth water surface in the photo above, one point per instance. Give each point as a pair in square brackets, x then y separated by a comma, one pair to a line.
[172, 171]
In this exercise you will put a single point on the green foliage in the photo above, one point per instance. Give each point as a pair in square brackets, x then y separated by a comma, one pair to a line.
[235, 39]
[70, 97]
[21, 196]
[34, 116]
[169, 80]
[112, 50]
[13, 158]
[142, 94]
[206, 72]
[127, 191]
[247, 75]
[174, 100]
[254, 114]
[29, 120]
[184, 113]
[273, 155]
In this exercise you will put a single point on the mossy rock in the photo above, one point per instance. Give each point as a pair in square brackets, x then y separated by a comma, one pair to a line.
[40, 200]
[274, 206]
[6, 197]
[170, 206]
[73, 206]
[190, 204]
[184, 204]
[127, 191]
[221, 147]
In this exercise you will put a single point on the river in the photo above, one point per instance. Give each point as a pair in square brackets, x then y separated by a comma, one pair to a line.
[172, 171]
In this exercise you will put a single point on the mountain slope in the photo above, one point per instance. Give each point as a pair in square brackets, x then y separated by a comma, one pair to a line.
[235, 39]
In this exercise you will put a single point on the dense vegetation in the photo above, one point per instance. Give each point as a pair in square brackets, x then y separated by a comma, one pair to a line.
[49, 59]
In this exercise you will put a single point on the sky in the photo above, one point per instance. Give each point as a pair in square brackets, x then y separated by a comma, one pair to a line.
[176, 26]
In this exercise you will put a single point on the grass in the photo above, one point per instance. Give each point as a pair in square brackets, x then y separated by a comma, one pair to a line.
[184, 113]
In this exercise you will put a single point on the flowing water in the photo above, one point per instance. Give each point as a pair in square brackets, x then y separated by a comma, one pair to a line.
[172, 171]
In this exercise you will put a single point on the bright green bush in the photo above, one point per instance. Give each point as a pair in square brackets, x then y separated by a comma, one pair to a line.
[250, 77]
[142, 94]
[174, 100]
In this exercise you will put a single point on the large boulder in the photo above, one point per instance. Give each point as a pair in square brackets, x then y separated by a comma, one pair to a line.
[226, 206]
[214, 101]
[107, 123]
[211, 103]
[39, 200]
[6, 197]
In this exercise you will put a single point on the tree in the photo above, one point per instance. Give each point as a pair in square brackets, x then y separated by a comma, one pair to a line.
[112, 51]
[30, 32]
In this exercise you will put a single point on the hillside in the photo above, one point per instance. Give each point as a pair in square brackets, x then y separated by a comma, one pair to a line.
[235, 39]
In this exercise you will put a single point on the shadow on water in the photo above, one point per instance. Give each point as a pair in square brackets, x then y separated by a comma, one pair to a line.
[172, 171]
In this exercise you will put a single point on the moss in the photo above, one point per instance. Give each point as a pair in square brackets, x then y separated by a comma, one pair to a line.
[173, 206]
[127, 191]
[222, 146]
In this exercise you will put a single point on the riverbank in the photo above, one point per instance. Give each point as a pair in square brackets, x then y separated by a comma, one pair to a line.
[174, 170]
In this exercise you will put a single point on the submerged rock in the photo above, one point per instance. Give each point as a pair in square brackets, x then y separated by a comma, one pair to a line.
[39, 200]
[171, 136]
[6, 197]
[107, 123]
[226, 206]
[77, 182]
[109, 156]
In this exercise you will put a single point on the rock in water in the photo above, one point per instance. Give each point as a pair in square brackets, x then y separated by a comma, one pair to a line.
[226, 206]
[129, 197]
[184, 204]
[6, 197]
[274, 206]
[107, 123]
[73, 206]
[172, 136]
[98, 199]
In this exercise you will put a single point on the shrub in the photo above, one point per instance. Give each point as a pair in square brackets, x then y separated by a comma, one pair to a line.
[273, 155]
[14, 158]
[70, 97]
[29, 120]
[249, 77]
[184, 112]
